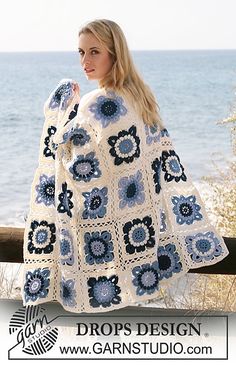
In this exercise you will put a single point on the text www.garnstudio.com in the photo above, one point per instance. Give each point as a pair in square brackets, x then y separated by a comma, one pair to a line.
[147, 348]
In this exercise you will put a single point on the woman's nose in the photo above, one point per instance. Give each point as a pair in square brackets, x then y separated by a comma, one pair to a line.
[86, 60]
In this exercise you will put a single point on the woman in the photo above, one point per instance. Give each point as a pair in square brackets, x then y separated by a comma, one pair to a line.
[114, 216]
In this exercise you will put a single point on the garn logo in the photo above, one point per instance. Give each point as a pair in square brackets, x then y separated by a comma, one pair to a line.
[35, 333]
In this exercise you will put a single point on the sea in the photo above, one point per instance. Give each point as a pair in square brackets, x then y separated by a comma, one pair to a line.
[194, 89]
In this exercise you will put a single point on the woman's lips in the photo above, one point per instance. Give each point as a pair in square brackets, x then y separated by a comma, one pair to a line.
[88, 71]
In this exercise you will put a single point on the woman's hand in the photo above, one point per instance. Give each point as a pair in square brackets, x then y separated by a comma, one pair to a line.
[75, 90]
[75, 87]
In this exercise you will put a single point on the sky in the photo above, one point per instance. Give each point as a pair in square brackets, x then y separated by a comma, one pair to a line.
[52, 25]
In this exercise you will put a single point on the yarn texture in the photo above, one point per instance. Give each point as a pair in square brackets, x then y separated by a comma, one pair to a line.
[114, 215]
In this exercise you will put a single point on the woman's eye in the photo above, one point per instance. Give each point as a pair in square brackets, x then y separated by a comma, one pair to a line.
[81, 52]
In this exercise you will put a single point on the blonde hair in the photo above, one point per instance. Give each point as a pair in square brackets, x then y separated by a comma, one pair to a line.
[123, 76]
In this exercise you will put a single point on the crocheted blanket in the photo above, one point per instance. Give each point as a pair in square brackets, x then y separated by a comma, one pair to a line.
[114, 215]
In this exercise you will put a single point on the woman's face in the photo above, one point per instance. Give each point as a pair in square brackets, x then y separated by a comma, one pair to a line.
[94, 56]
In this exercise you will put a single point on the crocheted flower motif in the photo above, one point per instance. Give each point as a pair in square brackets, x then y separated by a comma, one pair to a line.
[85, 167]
[152, 134]
[139, 235]
[66, 247]
[172, 167]
[168, 260]
[46, 190]
[66, 204]
[95, 203]
[104, 291]
[146, 278]
[185, 209]
[37, 284]
[60, 97]
[51, 147]
[156, 166]
[98, 247]
[79, 136]
[108, 109]
[41, 237]
[163, 221]
[125, 146]
[164, 132]
[203, 246]
[67, 292]
[131, 190]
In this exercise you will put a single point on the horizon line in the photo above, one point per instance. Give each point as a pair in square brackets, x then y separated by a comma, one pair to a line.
[134, 50]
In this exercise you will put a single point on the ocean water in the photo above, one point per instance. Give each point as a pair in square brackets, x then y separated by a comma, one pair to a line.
[194, 89]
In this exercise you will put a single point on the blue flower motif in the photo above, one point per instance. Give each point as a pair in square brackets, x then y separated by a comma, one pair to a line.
[203, 246]
[66, 247]
[139, 235]
[67, 292]
[60, 97]
[66, 204]
[131, 190]
[37, 284]
[46, 190]
[41, 237]
[172, 166]
[185, 209]
[108, 109]
[164, 132]
[79, 136]
[104, 291]
[156, 166]
[98, 247]
[152, 134]
[95, 203]
[85, 167]
[125, 146]
[169, 261]
[146, 278]
[51, 147]
[163, 221]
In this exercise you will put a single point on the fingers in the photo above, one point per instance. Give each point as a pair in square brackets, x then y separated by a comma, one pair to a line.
[75, 87]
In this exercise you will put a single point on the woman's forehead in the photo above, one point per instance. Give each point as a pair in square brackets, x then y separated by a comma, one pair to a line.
[88, 41]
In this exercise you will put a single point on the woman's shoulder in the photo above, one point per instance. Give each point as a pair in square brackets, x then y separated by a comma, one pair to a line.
[106, 100]
[95, 93]
[89, 96]
[103, 108]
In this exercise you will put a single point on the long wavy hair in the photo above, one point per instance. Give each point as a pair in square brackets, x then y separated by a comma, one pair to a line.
[123, 76]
